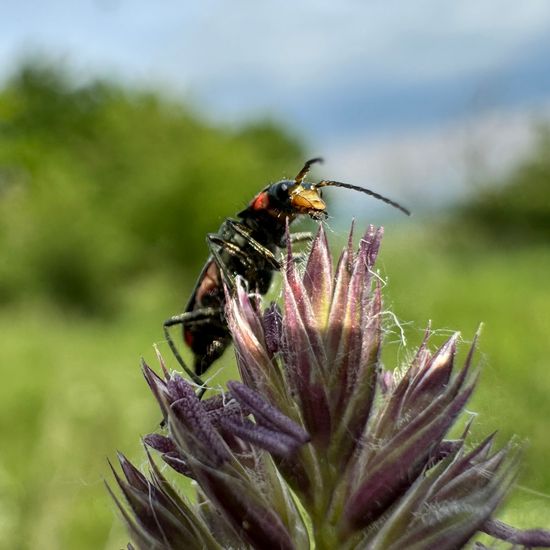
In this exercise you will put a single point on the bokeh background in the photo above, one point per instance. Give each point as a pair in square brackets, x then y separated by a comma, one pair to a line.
[128, 130]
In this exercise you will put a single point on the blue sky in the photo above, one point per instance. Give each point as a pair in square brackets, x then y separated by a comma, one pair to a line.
[394, 92]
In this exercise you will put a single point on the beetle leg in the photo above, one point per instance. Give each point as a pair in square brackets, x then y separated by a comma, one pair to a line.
[244, 232]
[239, 227]
[198, 316]
[301, 237]
[233, 249]
[213, 239]
[298, 257]
[214, 351]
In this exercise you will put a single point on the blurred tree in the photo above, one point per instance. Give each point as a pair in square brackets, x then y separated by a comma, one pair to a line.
[99, 183]
[515, 209]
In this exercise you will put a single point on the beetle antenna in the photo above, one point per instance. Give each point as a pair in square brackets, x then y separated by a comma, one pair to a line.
[304, 171]
[331, 183]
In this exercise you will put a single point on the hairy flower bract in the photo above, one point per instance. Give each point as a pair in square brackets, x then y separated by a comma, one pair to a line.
[319, 445]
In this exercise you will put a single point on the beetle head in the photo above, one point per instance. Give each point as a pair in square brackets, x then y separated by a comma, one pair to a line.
[291, 198]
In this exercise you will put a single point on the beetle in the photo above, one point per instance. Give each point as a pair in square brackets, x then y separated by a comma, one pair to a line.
[247, 246]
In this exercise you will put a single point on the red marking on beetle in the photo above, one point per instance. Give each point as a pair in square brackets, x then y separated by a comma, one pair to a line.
[261, 201]
[188, 337]
[210, 283]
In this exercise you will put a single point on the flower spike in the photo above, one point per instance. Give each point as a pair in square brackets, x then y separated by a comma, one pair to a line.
[319, 445]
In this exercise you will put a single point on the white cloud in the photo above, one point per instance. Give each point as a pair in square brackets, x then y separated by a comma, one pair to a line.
[288, 44]
[295, 43]
[432, 168]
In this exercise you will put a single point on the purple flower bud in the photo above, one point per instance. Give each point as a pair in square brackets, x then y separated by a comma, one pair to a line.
[273, 328]
[266, 414]
[160, 443]
[190, 425]
[277, 443]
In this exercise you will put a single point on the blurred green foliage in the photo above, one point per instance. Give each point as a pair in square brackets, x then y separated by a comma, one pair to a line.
[99, 184]
[515, 209]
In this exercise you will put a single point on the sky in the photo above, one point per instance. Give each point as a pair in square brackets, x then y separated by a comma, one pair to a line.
[405, 97]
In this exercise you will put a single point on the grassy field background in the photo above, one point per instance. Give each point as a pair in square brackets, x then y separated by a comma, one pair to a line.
[72, 392]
